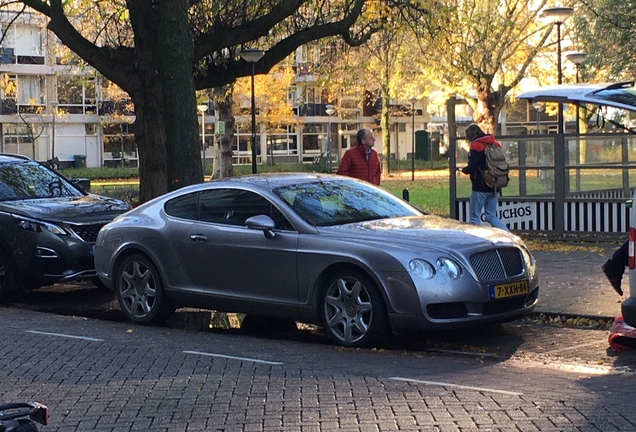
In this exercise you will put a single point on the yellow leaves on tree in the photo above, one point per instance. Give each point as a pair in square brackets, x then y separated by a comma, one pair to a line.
[273, 108]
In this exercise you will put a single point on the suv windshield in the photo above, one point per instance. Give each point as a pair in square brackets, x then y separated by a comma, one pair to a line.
[28, 180]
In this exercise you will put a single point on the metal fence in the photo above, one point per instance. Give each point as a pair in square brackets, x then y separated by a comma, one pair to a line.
[561, 185]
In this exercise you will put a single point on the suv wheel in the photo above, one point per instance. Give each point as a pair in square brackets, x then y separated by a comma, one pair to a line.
[7, 276]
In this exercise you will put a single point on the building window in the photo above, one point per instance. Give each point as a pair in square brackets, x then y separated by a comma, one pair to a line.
[314, 140]
[17, 139]
[242, 147]
[26, 44]
[76, 94]
[29, 91]
[119, 143]
[282, 142]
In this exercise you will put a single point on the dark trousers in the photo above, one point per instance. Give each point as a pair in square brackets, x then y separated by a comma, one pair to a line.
[617, 263]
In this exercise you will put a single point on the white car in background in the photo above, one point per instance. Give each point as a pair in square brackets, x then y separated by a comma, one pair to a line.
[617, 95]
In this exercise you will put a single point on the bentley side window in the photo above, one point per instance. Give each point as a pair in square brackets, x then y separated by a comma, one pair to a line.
[235, 206]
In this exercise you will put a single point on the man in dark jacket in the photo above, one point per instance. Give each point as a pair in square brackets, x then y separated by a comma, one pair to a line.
[361, 161]
[482, 196]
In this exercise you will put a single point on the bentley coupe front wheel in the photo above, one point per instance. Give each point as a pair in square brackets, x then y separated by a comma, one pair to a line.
[353, 311]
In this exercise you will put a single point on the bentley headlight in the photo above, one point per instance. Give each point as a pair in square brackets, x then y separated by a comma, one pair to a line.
[421, 268]
[531, 263]
[34, 225]
[449, 267]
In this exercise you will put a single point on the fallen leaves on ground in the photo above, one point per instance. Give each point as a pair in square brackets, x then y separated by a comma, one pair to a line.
[572, 321]
[559, 246]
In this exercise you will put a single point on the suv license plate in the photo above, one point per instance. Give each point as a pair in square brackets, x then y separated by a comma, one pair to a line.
[508, 290]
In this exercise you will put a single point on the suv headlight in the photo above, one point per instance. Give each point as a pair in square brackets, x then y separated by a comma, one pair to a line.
[35, 225]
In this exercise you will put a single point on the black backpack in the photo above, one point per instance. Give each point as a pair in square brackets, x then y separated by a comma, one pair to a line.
[495, 173]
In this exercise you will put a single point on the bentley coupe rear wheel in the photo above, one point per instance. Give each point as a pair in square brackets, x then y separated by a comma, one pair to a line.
[140, 291]
[353, 311]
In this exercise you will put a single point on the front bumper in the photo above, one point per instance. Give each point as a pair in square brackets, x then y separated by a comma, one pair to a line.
[628, 310]
[54, 260]
[460, 313]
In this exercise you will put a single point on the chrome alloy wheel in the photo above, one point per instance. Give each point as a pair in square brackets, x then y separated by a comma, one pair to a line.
[353, 311]
[140, 292]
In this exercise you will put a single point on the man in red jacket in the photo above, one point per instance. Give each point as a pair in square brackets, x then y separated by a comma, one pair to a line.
[362, 162]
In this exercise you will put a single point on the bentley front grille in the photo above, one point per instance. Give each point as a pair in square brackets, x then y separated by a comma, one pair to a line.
[497, 264]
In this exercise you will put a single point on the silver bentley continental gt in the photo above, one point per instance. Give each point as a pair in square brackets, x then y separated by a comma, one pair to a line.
[314, 248]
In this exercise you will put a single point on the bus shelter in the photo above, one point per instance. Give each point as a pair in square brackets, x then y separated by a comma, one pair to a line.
[560, 185]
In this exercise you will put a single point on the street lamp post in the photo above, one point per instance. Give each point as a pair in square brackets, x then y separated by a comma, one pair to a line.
[54, 105]
[538, 107]
[202, 110]
[330, 111]
[581, 147]
[413, 100]
[577, 58]
[252, 56]
[558, 15]
[430, 136]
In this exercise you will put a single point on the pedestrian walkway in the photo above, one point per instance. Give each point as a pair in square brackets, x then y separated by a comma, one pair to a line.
[572, 283]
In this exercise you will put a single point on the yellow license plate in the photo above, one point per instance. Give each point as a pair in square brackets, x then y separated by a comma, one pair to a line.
[508, 290]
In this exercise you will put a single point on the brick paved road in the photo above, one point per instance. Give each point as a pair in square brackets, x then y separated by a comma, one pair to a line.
[110, 376]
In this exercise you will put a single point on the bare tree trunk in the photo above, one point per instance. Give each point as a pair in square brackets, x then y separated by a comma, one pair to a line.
[175, 50]
[152, 155]
[147, 97]
[223, 100]
[167, 135]
[489, 105]
[384, 124]
[386, 139]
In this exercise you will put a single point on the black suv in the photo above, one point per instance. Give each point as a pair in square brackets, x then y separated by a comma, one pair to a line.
[48, 226]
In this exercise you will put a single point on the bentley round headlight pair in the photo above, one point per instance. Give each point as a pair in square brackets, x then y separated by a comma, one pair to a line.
[443, 265]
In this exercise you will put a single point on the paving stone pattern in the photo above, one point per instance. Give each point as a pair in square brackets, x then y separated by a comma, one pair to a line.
[133, 378]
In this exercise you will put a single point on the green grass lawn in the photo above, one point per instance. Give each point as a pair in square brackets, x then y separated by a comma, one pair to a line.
[430, 194]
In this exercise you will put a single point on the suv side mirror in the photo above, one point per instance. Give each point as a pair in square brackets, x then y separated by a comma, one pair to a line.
[84, 184]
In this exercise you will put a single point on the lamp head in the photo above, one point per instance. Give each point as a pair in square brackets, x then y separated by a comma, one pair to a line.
[539, 106]
[557, 15]
[251, 55]
[576, 57]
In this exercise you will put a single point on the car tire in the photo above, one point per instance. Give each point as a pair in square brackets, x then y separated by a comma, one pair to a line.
[99, 284]
[140, 293]
[353, 311]
[267, 326]
[7, 277]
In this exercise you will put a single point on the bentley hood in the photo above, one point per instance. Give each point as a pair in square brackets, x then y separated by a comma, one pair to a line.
[433, 231]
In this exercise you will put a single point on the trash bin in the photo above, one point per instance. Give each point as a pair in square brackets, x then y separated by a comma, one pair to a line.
[80, 161]
[422, 146]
